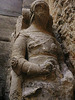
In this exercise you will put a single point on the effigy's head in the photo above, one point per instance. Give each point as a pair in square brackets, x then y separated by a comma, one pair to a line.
[40, 9]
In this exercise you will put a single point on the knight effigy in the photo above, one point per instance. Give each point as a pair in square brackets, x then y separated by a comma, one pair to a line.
[38, 68]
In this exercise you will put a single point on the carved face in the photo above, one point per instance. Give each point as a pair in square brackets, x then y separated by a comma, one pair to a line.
[40, 9]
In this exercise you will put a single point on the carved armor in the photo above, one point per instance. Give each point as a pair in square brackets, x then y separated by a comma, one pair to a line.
[38, 58]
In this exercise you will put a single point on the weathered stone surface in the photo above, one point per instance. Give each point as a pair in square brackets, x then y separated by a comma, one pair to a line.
[26, 3]
[10, 7]
[23, 22]
[64, 22]
[7, 25]
[45, 75]
[63, 13]
[5, 49]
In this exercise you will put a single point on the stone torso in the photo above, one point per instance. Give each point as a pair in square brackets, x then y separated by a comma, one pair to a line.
[41, 46]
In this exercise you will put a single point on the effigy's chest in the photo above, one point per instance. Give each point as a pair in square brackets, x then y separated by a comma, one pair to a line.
[41, 43]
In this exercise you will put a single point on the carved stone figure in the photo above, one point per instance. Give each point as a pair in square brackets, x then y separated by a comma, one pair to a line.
[39, 71]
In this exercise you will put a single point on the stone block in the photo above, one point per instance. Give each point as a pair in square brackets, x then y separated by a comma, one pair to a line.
[26, 3]
[5, 51]
[10, 7]
[7, 26]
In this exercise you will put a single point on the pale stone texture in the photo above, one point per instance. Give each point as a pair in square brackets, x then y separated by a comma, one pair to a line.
[7, 25]
[26, 3]
[10, 7]
[45, 74]
[6, 28]
[5, 50]
[63, 12]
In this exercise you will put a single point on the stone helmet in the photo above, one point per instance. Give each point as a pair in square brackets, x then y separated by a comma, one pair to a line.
[39, 8]
[40, 3]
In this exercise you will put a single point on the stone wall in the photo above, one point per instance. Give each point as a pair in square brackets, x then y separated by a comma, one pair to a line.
[26, 3]
[7, 26]
[63, 12]
[8, 8]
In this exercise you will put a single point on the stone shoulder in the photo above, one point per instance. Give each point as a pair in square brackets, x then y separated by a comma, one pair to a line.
[24, 32]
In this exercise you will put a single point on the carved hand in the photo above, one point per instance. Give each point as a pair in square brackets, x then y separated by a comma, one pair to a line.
[14, 62]
[15, 67]
[48, 66]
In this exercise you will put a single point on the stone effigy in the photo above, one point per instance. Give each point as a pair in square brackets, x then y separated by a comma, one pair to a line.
[39, 71]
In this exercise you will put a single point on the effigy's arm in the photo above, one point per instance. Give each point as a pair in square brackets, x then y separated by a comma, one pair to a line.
[20, 64]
